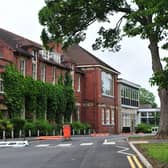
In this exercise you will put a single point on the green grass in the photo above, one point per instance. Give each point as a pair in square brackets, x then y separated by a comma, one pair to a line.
[157, 152]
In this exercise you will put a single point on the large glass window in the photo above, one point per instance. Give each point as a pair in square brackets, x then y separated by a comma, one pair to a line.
[22, 66]
[107, 84]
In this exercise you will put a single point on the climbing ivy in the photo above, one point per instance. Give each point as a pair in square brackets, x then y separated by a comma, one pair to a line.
[14, 91]
[41, 100]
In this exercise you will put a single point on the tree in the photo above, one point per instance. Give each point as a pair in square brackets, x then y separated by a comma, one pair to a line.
[66, 22]
[147, 97]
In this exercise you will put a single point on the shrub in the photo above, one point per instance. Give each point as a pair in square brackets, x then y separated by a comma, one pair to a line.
[145, 128]
[77, 125]
[43, 126]
[29, 126]
[18, 123]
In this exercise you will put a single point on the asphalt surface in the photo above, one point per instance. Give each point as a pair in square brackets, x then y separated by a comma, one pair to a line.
[80, 152]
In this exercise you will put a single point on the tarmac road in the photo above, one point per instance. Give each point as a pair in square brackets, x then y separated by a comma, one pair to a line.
[80, 152]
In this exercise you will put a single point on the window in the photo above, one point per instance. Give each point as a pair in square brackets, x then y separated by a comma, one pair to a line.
[79, 84]
[34, 53]
[34, 71]
[78, 113]
[53, 75]
[126, 120]
[112, 117]
[43, 71]
[1, 85]
[103, 116]
[107, 84]
[22, 67]
[108, 116]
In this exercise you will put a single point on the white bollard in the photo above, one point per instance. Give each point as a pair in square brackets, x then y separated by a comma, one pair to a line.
[12, 133]
[29, 133]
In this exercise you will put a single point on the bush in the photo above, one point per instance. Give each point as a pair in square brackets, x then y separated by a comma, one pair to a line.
[29, 126]
[145, 128]
[43, 126]
[7, 126]
[77, 125]
[18, 124]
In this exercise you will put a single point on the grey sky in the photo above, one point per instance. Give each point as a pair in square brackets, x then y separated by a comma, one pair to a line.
[133, 60]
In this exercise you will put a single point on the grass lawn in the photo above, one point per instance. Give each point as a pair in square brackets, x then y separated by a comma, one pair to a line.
[156, 153]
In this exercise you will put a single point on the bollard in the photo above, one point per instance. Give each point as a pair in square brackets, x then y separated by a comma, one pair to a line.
[29, 133]
[38, 133]
[20, 133]
[73, 132]
[54, 132]
[4, 134]
[84, 132]
[12, 133]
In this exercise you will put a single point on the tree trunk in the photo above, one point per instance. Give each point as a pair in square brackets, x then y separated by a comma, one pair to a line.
[163, 93]
[163, 129]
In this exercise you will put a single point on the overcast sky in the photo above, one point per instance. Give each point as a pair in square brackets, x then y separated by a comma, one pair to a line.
[133, 61]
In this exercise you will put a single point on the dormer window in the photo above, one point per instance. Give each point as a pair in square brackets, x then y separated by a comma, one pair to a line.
[51, 55]
[34, 54]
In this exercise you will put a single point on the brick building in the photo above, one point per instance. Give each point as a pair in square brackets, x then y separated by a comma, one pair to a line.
[99, 94]
[94, 82]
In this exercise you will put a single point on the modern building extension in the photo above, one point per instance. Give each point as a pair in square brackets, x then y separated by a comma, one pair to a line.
[128, 105]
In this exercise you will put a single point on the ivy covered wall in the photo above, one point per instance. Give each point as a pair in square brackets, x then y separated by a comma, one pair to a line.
[34, 99]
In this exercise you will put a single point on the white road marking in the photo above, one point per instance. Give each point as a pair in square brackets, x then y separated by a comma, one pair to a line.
[123, 150]
[64, 145]
[14, 144]
[108, 142]
[42, 145]
[86, 144]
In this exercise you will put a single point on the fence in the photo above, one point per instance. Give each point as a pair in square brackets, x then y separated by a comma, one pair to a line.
[31, 133]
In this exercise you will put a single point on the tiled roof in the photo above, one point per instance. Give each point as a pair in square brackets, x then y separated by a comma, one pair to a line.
[82, 57]
[16, 42]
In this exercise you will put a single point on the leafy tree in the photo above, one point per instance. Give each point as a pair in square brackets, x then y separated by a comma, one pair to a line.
[147, 97]
[66, 22]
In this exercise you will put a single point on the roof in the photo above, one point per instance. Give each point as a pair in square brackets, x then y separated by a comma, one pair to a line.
[126, 82]
[84, 58]
[17, 43]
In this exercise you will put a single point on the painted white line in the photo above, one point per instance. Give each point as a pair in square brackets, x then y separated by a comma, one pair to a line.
[64, 145]
[14, 143]
[86, 144]
[42, 145]
[108, 142]
[123, 150]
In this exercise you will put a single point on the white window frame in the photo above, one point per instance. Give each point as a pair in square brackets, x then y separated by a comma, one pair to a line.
[34, 71]
[53, 75]
[43, 72]
[1, 85]
[79, 84]
[107, 116]
[23, 66]
[112, 117]
[105, 76]
[103, 116]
